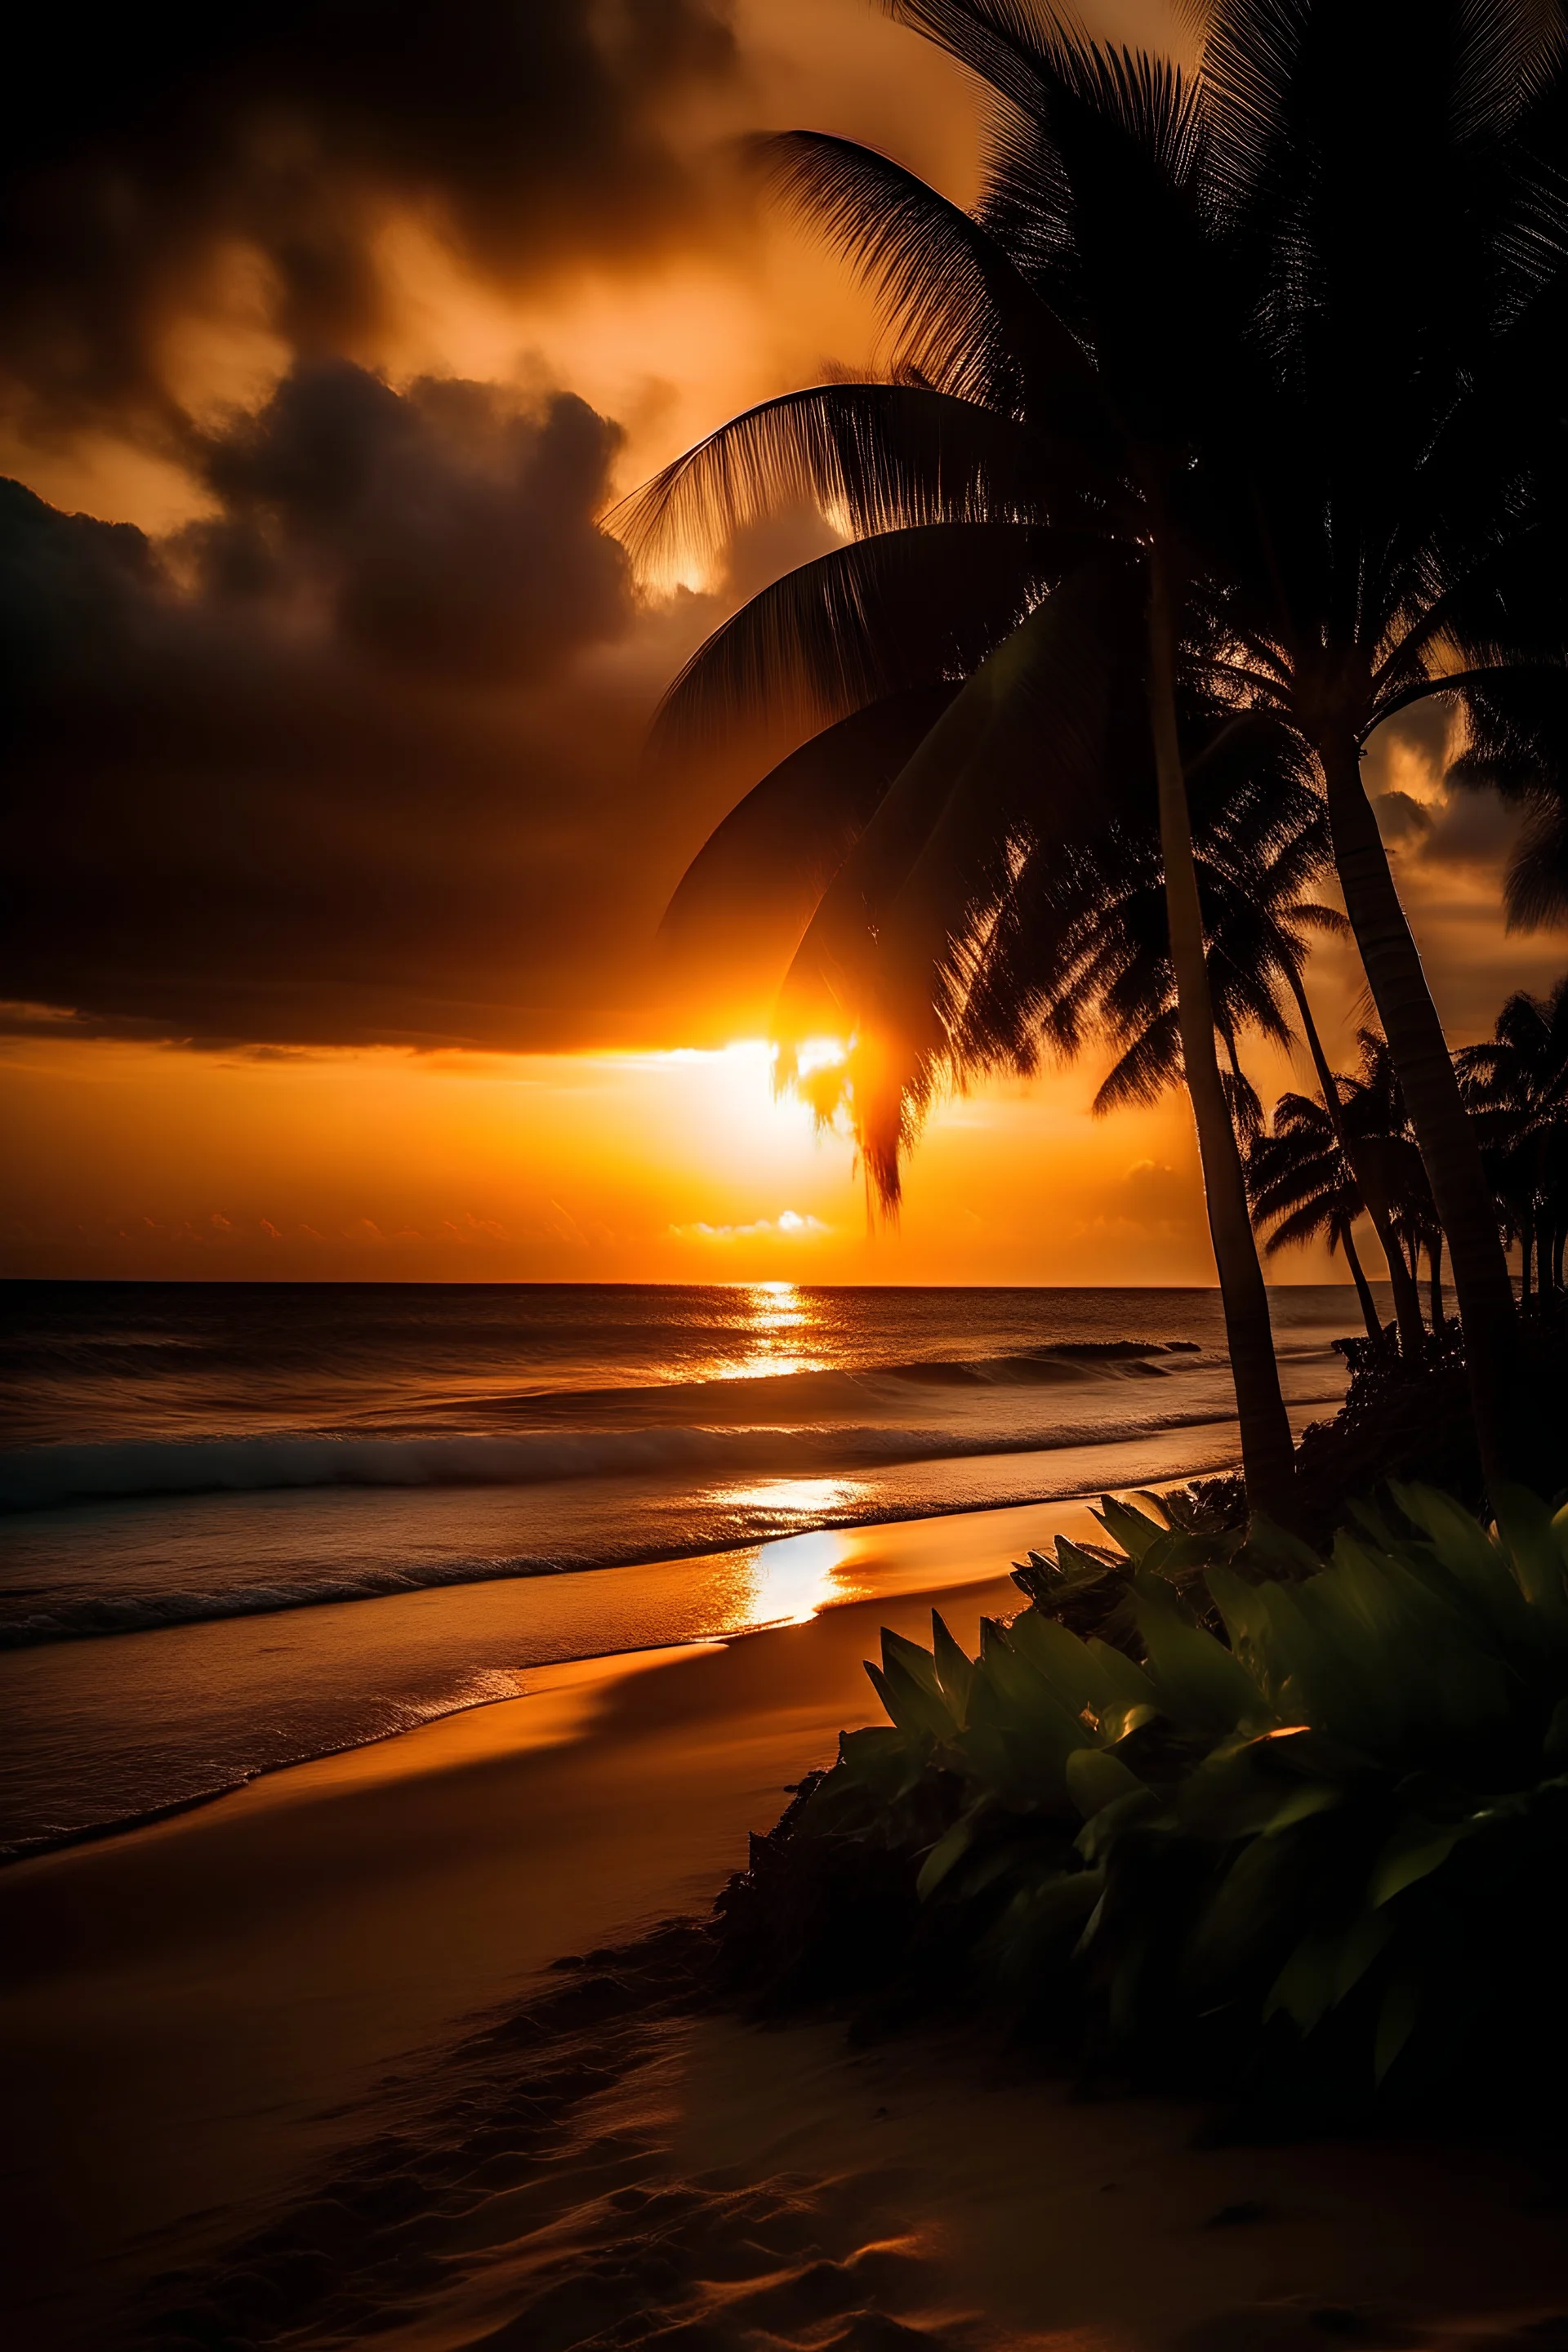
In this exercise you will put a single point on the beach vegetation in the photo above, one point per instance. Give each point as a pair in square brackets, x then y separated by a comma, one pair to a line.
[1285, 1826]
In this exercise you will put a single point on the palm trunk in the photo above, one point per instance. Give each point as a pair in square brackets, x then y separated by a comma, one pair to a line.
[1506, 1426]
[1560, 1241]
[1367, 1169]
[1267, 1455]
[1435, 1252]
[1363, 1287]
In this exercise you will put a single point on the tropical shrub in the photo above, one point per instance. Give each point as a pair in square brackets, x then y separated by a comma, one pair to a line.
[1321, 1843]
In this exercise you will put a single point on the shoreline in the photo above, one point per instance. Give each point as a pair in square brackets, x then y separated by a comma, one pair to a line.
[192, 2010]
[293, 2008]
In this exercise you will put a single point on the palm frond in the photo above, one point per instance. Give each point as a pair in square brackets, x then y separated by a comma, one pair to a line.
[903, 609]
[1019, 759]
[874, 456]
[957, 308]
[749, 893]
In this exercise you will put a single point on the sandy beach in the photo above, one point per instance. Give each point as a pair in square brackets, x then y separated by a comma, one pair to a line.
[210, 2019]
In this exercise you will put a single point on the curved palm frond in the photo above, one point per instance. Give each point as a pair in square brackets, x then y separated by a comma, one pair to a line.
[1023, 757]
[877, 455]
[1518, 744]
[961, 315]
[903, 609]
[750, 890]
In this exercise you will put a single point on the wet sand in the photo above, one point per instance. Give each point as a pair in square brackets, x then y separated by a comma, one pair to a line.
[201, 2017]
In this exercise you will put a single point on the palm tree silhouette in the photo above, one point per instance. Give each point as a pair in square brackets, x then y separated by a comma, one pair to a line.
[1302, 1186]
[1163, 430]
[1381, 1140]
[1403, 473]
[1517, 1086]
[1011, 490]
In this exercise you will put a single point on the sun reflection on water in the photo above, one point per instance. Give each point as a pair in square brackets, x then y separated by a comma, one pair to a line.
[775, 1327]
[796, 1577]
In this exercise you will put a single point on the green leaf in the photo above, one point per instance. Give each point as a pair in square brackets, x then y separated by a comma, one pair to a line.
[954, 1674]
[948, 1850]
[1081, 1674]
[1528, 1536]
[1197, 1681]
[1277, 1552]
[1095, 1779]
[1133, 1530]
[916, 1713]
[915, 1662]
[1326, 1965]
[1415, 1849]
[1300, 1804]
[1073, 1560]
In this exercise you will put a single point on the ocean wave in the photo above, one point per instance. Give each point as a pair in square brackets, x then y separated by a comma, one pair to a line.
[725, 1526]
[45, 1477]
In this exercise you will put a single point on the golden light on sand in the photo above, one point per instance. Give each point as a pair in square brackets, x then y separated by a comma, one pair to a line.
[796, 1577]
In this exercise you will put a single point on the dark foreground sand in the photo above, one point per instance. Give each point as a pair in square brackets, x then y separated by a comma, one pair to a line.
[242, 2046]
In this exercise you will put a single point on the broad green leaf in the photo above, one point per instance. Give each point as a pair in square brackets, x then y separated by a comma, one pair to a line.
[1072, 1558]
[1140, 1808]
[915, 1662]
[916, 1713]
[1275, 1549]
[954, 1674]
[947, 1850]
[1076, 1670]
[1300, 1804]
[1325, 1966]
[1197, 1680]
[1527, 1528]
[1176, 1551]
[1095, 1779]
[1415, 1849]
[1133, 1530]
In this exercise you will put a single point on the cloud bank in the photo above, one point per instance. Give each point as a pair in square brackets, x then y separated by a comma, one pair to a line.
[356, 758]
[234, 170]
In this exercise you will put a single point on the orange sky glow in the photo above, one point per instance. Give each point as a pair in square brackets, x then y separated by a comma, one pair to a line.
[582, 1124]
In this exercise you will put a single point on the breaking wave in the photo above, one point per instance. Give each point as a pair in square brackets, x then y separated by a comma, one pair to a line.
[43, 1478]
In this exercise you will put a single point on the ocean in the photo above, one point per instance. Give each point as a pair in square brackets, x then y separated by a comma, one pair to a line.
[244, 1525]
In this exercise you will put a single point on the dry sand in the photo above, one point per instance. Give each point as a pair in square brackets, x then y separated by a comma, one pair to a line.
[201, 2018]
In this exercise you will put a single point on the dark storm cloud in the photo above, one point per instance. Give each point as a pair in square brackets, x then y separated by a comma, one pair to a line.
[358, 757]
[148, 151]
[441, 529]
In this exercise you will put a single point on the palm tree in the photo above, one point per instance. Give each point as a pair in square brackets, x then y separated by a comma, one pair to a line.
[1381, 1140]
[1302, 1185]
[1517, 1086]
[1161, 389]
[1258, 851]
[1402, 476]
[1011, 490]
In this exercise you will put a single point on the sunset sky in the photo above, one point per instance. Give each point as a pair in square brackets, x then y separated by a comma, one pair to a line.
[333, 862]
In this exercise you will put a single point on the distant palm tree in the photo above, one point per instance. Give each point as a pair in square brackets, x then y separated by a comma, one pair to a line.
[1517, 1086]
[1259, 847]
[1382, 1142]
[1302, 1186]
